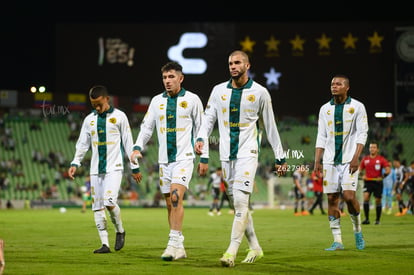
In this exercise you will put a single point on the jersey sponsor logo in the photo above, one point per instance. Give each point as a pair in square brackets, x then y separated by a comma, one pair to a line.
[237, 124]
[251, 98]
[100, 143]
[351, 110]
[171, 130]
[112, 120]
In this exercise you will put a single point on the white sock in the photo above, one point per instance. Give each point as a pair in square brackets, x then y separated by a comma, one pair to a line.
[115, 214]
[335, 225]
[100, 221]
[356, 223]
[241, 208]
[251, 234]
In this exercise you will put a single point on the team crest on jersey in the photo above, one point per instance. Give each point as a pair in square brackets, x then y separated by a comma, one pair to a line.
[351, 110]
[93, 133]
[162, 118]
[223, 110]
[112, 120]
[184, 104]
[330, 123]
[251, 98]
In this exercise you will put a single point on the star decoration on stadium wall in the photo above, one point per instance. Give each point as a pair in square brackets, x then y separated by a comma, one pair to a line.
[375, 40]
[247, 44]
[349, 41]
[272, 44]
[297, 43]
[324, 41]
[272, 79]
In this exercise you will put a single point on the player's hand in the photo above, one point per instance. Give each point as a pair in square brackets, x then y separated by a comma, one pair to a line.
[281, 169]
[202, 169]
[136, 154]
[71, 172]
[199, 147]
[137, 177]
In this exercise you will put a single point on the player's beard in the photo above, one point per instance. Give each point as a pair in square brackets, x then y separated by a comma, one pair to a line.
[237, 76]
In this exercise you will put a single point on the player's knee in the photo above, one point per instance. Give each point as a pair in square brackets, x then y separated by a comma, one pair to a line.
[241, 199]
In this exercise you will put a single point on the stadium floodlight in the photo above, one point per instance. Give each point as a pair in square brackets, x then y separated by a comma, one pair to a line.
[42, 89]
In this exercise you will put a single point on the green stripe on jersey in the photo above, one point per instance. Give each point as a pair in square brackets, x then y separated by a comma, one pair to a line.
[234, 120]
[339, 132]
[102, 149]
[171, 128]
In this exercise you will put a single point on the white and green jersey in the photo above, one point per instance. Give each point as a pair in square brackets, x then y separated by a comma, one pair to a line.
[340, 128]
[177, 120]
[109, 135]
[237, 112]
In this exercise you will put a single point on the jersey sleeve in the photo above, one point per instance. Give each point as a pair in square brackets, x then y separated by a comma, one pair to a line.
[208, 119]
[82, 145]
[271, 127]
[127, 141]
[146, 128]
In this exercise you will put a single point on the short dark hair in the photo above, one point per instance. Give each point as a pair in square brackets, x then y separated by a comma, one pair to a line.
[375, 142]
[172, 65]
[97, 91]
[342, 76]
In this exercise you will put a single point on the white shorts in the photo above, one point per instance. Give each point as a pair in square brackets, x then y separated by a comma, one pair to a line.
[105, 189]
[179, 172]
[240, 173]
[337, 178]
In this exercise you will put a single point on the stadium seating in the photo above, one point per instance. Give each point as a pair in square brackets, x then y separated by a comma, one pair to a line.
[53, 135]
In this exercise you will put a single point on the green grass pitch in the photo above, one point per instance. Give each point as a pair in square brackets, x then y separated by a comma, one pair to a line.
[45, 241]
